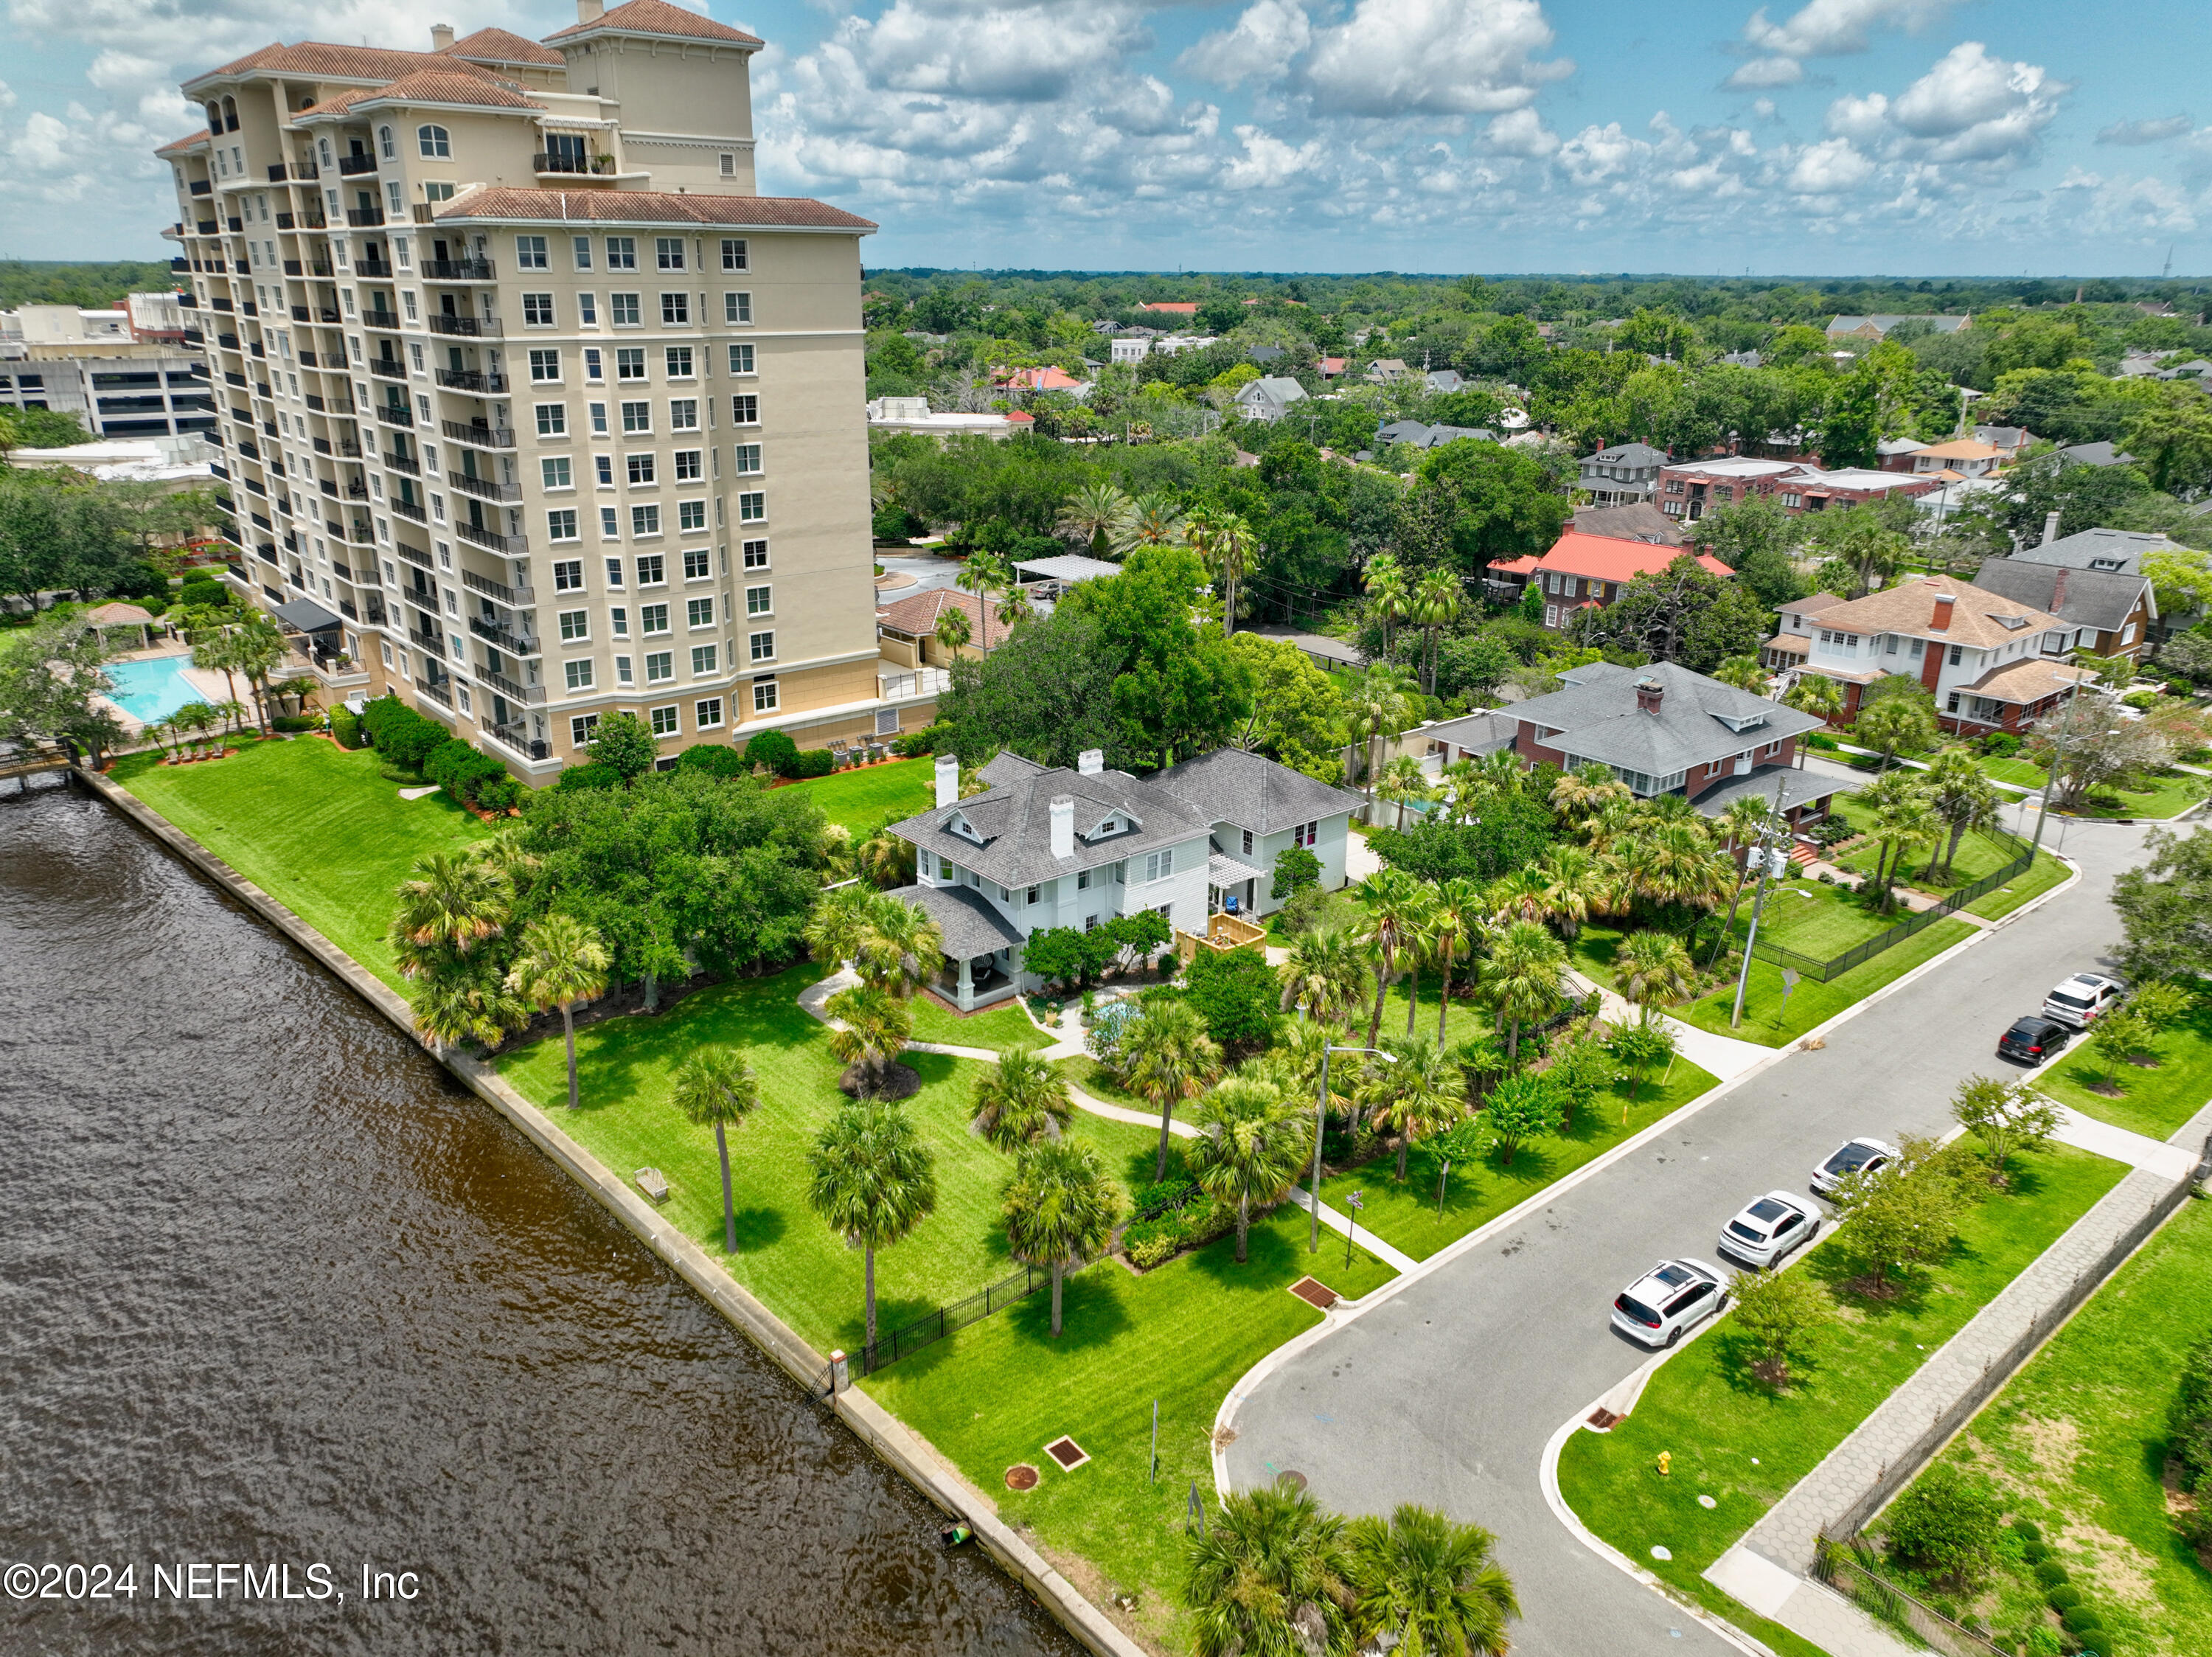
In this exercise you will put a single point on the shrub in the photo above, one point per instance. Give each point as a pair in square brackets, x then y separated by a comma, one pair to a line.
[624, 743]
[200, 591]
[500, 793]
[2062, 1594]
[812, 762]
[775, 750]
[346, 727]
[402, 735]
[2034, 1553]
[2096, 1640]
[296, 722]
[912, 744]
[2050, 1574]
[1238, 993]
[2143, 699]
[713, 759]
[462, 770]
[2082, 1620]
[590, 776]
[2027, 1531]
[895, 523]
[2001, 745]
[1946, 1522]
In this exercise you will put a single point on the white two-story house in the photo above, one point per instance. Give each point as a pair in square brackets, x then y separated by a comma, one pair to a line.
[1260, 809]
[1991, 662]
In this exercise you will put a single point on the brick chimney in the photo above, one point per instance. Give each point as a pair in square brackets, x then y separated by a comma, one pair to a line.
[441, 37]
[1649, 693]
[1941, 621]
[2058, 590]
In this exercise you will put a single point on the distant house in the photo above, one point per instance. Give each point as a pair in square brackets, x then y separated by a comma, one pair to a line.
[1387, 370]
[2120, 550]
[2112, 613]
[1426, 436]
[1169, 344]
[2094, 454]
[913, 414]
[905, 628]
[1622, 475]
[1640, 522]
[1131, 349]
[1690, 489]
[1878, 327]
[1793, 640]
[1991, 661]
[1581, 571]
[1502, 583]
[1265, 354]
[2011, 439]
[1048, 378]
[1895, 454]
[1444, 380]
[1963, 457]
[1331, 368]
[1269, 397]
[1171, 307]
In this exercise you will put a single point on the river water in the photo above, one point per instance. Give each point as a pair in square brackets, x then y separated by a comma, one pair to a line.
[275, 1290]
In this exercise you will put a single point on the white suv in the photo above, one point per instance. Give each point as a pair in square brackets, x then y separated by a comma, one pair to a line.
[1675, 1295]
[1769, 1227]
[2082, 1000]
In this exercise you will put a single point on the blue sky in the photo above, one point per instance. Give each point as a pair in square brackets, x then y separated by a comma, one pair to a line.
[1837, 137]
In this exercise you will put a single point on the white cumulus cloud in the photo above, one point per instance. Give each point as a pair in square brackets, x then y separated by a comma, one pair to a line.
[2136, 132]
[1971, 106]
[1400, 57]
[1828, 28]
[1768, 72]
[1260, 47]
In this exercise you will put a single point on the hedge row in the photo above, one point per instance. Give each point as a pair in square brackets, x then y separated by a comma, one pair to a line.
[405, 737]
[472, 776]
[415, 742]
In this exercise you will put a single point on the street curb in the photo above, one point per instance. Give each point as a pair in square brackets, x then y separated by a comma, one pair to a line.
[906, 1452]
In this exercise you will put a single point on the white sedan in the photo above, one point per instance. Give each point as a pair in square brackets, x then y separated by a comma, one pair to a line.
[1768, 1229]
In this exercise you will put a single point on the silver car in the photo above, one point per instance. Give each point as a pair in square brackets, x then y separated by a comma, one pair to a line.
[1768, 1229]
[2082, 999]
[1673, 1296]
[1853, 1156]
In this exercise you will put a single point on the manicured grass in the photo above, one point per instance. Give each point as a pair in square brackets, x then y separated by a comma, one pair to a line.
[1811, 918]
[2046, 873]
[864, 797]
[1088, 1074]
[786, 1256]
[2075, 1442]
[1405, 1215]
[2157, 1101]
[1769, 1022]
[995, 1028]
[319, 828]
[997, 1393]
[1703, 1408]
[2025, 773]
[2171, 793]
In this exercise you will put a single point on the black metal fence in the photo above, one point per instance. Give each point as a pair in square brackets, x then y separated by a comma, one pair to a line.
[1821, 971]
[946, 1320]
[1848, 1567]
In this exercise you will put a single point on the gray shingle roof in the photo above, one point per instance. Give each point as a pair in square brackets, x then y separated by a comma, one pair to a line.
[1015, 821]
[1252, 791]
[1797, 787]
[1597, 718]
[2088, 549]
[2102, 599]
[1422, 436]
[970, 926]
[1626, 454]
[1476, 733]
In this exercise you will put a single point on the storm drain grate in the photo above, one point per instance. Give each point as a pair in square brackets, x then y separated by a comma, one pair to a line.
[1067, 1453]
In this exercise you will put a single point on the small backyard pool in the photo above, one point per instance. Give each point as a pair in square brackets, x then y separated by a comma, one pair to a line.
[150, 691]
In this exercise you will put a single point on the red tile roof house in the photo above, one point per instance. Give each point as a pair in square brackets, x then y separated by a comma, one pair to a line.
[1580, 571]
[1172, 306]
[1045, 379]
[1690, 489]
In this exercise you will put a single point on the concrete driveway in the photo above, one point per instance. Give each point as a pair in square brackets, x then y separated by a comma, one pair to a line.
[1447, 1391]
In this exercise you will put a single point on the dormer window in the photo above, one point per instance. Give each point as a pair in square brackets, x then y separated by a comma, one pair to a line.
[959, 825]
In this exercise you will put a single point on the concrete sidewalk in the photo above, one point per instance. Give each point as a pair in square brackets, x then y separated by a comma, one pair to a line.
[1338, 1222]
[1725, 1057]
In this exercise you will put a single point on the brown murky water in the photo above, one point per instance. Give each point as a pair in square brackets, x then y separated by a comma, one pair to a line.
[276, 1292]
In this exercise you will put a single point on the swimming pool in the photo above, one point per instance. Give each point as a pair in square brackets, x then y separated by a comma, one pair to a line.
[150, 691]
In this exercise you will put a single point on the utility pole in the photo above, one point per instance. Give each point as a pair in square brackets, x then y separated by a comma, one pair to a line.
[1768, 858]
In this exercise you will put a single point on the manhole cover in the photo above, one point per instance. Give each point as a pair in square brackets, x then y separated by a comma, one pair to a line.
[1603, 1419]
[1021, 1478]
[1293, 1482]
[1067, 1453]
[1315, 1294]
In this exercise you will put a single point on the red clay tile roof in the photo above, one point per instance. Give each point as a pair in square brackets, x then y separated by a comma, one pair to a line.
[918, 614]
[1604, 559]
[448, 83]
[656, 17]
[496, 45]
[320, 57]
[1048, 378]
[653, 207]
[1180, 307]
[190, 141]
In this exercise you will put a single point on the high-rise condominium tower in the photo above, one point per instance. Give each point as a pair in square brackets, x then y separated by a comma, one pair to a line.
[533, 411]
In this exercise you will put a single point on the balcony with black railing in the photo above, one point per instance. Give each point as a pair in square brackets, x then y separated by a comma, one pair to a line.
[201, 187]
[513, 689]
[395, 414]
[512, 597]
[408, 509]
[476, 535]
[513, 643]
[457, 270]
[483, 382]
[387, 368]
[401, 463]
[484, 489]
[351, 167]
[467, 327]
[476, 436]
[364, 217]
[372, 267]
[442, 694]
[388, 321]
[516, 738]
[413, 555]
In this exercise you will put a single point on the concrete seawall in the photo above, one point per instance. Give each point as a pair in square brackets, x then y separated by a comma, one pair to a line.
[903, 1449]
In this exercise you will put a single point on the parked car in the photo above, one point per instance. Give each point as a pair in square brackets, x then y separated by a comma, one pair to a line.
[1852, 1156]
[2082, 999]
[1768, 1228]
[1673, 1296]
[2033, 1040]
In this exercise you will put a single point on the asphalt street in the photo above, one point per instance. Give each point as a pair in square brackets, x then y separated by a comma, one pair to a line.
[1447, 1393]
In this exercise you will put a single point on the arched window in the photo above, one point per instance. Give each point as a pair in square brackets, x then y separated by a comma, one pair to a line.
[325, 144]
[434, 142]
[387, 145]
[215, 118]
[230, 114]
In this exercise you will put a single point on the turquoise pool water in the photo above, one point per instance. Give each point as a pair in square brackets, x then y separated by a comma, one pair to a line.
[149, 692]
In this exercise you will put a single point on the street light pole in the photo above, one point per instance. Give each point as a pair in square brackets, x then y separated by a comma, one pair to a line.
[1321, 1122]
[2057, 755]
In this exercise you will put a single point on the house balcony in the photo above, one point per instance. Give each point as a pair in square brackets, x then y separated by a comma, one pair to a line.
[391, 414]
[442, 694]
[372, 267]
[481, 383]
[408, 509]
[513, 643]
[490, 537]
[918, 681]
[364, 217]
[467, 327]
[457, 270]
[387, 368]
[516, 739]
[476, 436]
[388, 321]
[484, 489]
[352, 166]
[513, 691]
[415, 555]
[401, 463]
[514, 598]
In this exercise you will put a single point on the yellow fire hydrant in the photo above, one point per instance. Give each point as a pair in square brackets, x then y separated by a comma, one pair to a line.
[1666, 1463]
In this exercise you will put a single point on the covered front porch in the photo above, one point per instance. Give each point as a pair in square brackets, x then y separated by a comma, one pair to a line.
[981, 962]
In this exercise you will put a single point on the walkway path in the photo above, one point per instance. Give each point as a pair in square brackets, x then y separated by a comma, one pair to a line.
[1396, 1259]
[2086, 1133]
[1724, 1056]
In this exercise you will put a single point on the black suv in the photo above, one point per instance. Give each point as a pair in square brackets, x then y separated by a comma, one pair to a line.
[2031, 1040]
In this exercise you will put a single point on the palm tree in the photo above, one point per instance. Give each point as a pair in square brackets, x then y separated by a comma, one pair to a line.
[1524, 979]
[1021, 1100]
[562, 962]
[1961, 796]
[1653, 971]
[714, 1089]
[1897, 723]
[1583, 795]
[838, 927]
[1744, 672]
[1325, 974]
[1093, 514]
[1455, 920]
[1380, 708]
[876, 1026]
[980, 573]
[1254, 1146]
[1228, 545]
[1900, 818]
[1167, 1058]
[1403, 779]
[1572, 887]
[1267, 1578]
[1742, 826]
[1394, 900]
[1429, 1585]
[883, 859]
[256, 648]
[1153, 520]
[872, 1181]
[1521, 895]
[1388, 599]
[1422, 1093]
[1061, 1207]
[464, 998]
[452, 903]
[953, 629]
[899, 946]
[1818, 695]
[214, 651]
[1435, 605]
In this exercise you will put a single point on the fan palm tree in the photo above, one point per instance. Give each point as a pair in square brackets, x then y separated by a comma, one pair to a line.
[1582, 796]
[1020, 1100]
[1422, 1093]
[1677, 865]
[1388, 597]
[1428, 1585]
[1435, 605]
[715, 1089]
[1745, 673]
[1653, 969]
[1226, 541]
[1899, 818]
[838, 927]
[953, 631]
[1523, 895]
[1325, 974]
[885, 860]
[982, 573]
[876, 1028]
[1741, 826]
[1403, 779]
[1455, 921]
[1393, 901]
[1153, 520]
[1167, 1058]
[1267, 1578]
[562, 962]
[450, 904]
[872, 1181]
[1572, 886]
[1093, 514]
[1962, 797]
[1062, 1207]
[898, 946]
[1524, 979]
[1818, 695]
[1379, 710]
[258, 648]
[1254, 1144]
[465, 998]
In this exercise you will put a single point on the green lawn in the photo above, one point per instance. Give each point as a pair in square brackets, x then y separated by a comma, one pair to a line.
[2076, 1440]
[2157, 1101]
[1406, 1217]
[1813, 918]
[319, 828]
[997, 1393]
[1088, 1074]
[2046, 873]
[2171, 792]
[1768, 1021]
[2025, 772]
[786, 1256]
[864, 797]
[1714, 1420]
[996, 1027]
